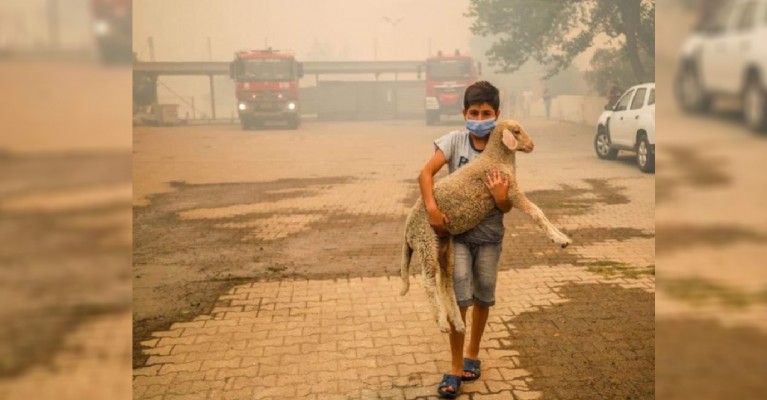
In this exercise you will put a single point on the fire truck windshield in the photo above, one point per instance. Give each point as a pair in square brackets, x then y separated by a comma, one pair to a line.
[267, 70]
[448, 69]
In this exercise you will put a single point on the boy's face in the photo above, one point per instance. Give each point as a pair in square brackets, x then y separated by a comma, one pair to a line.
[478, 112]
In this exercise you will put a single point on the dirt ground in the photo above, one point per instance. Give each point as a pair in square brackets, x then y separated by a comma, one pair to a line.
[574, 354]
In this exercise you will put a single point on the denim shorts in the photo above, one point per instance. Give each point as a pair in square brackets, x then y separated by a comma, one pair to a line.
[476, 273]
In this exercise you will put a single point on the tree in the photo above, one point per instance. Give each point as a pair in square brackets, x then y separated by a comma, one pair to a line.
[553, 32]
[611, 65]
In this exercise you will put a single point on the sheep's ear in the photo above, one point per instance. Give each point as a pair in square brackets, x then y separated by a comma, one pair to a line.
[509, 140]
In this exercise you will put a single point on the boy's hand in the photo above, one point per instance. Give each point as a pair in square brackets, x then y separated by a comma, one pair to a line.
[498, 185]
[438, 222]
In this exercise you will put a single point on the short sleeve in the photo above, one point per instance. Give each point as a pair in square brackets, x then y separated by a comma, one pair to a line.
[445, 143]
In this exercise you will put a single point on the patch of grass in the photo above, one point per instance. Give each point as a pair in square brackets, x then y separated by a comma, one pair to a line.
[701, 291]
[611, 269]
[276, 268]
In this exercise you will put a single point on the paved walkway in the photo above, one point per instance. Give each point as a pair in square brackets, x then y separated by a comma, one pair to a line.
[346, 339]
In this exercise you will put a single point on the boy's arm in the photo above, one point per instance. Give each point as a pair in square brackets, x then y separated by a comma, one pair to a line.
[437, 219]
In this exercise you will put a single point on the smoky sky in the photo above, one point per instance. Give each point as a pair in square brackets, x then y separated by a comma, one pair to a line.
[319, 30]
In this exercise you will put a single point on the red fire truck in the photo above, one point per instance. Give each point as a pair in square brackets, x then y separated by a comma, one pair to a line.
[112, 25]
[446, 79]
[267, 87]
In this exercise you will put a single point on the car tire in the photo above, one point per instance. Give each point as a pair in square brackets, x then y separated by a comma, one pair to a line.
[755, 105]
[602, 145]
[690, 93]
[645, 157]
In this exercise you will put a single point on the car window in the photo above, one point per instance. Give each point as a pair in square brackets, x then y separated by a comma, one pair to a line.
[623, 103]
[651, 100]
[638, 101]
[747, 17]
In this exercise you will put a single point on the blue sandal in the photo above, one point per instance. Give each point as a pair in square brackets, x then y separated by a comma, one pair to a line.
[453, 381]
[471, 366]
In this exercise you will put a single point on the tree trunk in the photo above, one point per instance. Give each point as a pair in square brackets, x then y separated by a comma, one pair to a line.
[630, 20]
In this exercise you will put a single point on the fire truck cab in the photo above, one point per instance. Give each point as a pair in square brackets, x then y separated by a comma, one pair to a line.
[112, 28]
[446, 80]
[266, 84]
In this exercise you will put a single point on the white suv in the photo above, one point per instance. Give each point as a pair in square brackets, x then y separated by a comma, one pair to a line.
[629, 125]
[727, 57]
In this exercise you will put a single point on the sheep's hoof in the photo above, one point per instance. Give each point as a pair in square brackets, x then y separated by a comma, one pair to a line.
[444, 327]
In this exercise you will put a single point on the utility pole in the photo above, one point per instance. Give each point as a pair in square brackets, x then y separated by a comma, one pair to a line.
[212, 98]
[150, 43]
[393, 23]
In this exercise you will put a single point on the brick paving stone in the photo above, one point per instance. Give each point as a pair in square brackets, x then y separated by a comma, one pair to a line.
[155, 390]
[507, 395]
[147, 371]
[241, 394]
[159, 351]
[172, 341]
[166, 359]
[167, 334]
[523, 395]
[178, 367]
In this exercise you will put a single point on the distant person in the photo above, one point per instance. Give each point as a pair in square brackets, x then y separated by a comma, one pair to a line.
[547, 101]
[614, 94]
[527, 99]
[512, 103]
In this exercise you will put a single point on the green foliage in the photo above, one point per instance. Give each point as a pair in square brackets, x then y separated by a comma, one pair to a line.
[553, 33]
[611, 65]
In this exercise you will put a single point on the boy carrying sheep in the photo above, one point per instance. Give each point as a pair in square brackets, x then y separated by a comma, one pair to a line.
[478, 250]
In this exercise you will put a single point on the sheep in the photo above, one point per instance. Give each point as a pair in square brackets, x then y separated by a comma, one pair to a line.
[465, 199]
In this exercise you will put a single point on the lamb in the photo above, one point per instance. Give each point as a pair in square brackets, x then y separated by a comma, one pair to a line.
[465, 199]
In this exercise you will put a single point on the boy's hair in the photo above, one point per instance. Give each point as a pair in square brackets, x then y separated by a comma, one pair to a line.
[482, 92]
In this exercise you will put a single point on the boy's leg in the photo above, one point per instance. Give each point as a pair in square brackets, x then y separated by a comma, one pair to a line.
[457, 339]
[485, 279]
[462, 283]
[479, 315]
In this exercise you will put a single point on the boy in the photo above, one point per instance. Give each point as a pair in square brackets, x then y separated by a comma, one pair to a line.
[478, 250]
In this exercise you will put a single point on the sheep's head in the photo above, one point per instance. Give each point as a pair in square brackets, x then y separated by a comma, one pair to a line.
[514, 137]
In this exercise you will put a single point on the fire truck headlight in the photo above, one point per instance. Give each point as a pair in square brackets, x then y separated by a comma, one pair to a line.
[242, 106]
[101, 28]
[291, 106]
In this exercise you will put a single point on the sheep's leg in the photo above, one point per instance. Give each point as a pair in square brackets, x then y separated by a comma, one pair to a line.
[518, 199]
[428, 252]
[404, 268]
[447, 268]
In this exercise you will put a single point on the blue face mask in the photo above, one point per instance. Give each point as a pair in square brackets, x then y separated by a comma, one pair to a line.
[480, 128]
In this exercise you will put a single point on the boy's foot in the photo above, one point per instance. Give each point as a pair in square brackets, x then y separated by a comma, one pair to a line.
[450, 387]
[471, 369]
